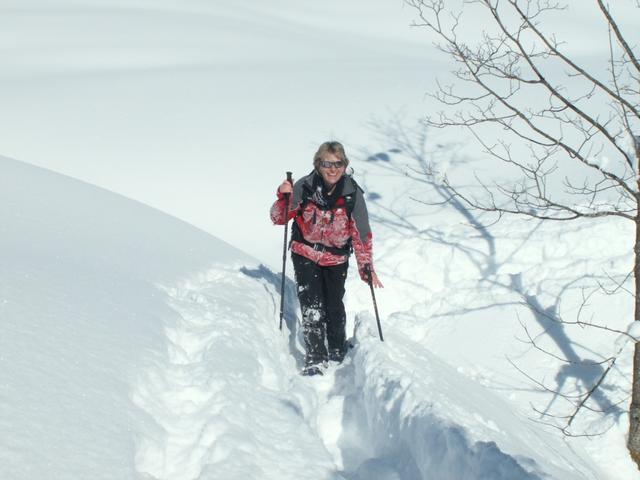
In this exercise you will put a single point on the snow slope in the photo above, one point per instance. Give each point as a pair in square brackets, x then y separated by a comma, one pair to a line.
[136, 346]
[82, 314]
[161, 100]
[499, 302]
[133, 345]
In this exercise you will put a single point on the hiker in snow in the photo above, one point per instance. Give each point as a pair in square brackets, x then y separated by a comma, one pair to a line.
[330, 222]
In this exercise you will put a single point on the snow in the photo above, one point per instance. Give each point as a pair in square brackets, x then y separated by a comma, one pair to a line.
[422, 403]
[122, 92]
[223, 402]
[633, 330]
[81, 316]
[137, 346]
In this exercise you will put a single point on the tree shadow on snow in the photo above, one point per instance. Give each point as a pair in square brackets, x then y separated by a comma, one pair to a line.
[412, 157]
[381, 442]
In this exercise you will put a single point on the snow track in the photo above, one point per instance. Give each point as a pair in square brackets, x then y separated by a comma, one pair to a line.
[222, 404]
[226, 402]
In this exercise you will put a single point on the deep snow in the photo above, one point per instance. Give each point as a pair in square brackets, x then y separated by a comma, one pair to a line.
[137, 346]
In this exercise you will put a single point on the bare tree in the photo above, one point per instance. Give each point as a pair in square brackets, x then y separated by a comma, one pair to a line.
[570, 132]
[410, 153]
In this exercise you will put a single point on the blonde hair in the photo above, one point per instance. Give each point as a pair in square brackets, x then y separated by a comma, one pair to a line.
[332, 147]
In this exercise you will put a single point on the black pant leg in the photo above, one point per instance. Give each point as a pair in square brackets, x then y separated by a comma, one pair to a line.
[334, 278]
[309, 280]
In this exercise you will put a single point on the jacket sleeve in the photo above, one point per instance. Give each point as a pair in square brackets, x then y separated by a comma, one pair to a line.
[361, 235]
[278, 208]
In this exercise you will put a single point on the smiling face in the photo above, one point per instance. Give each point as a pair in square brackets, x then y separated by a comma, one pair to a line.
[331, 169]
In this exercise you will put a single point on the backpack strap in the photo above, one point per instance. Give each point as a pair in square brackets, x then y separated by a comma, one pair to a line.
[350, 200]
[306, 195]
[296, 235]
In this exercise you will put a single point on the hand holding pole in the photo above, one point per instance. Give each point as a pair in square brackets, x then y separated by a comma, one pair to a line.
[367, 271]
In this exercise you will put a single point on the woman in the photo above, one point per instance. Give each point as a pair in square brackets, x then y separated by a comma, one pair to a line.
[331, 221]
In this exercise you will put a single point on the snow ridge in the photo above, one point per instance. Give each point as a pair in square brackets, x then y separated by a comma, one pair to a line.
[428, 421]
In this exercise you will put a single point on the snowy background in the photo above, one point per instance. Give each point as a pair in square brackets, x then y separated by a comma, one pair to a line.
[138, 346]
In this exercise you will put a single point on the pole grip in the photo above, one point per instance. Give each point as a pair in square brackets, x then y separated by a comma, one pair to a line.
[367, 272]
[290, 178]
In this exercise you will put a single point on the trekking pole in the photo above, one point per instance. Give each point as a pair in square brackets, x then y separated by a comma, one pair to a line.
[367, 271]
[284, 247]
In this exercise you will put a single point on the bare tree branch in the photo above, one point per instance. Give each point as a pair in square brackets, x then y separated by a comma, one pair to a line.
[572, 137]
[621, 40]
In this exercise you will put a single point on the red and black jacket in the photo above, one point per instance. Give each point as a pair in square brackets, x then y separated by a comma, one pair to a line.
[325, 233]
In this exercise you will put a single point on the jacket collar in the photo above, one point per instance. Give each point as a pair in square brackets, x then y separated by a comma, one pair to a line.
[349, 187]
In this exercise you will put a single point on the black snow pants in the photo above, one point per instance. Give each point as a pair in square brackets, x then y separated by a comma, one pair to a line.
[320, 291]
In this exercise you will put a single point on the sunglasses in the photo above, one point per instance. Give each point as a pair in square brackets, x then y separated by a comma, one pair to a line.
[328, 164]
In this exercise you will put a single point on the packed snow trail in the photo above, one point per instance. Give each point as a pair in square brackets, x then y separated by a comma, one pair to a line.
[341, 423]
[227, 402]
[224, 403]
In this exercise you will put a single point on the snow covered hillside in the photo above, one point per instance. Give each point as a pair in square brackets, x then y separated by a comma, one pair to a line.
[500, 302]
[157, 99]
[136, 346]
[133, 344]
